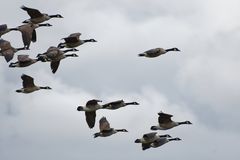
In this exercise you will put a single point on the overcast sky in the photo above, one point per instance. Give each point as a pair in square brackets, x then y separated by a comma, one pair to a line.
[200, 84]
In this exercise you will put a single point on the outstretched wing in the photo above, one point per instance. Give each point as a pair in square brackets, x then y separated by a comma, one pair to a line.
[112, 104]
[3, 27]
[4, 45]
[54, 66]
[33, 13]
[90, 118]
[74, 37]
[164, 118]
[27, 81]
[23, 58]
[92, 102]
[103, 124]
[149, 136]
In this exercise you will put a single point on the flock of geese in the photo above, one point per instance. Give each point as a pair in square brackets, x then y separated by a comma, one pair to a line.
[55, 54]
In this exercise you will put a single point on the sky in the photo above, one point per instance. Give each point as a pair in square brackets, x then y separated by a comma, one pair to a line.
[200, 84]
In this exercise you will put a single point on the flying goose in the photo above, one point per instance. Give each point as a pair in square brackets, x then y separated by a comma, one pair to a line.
[7, 50]
[37, 17]
[162, 141]
[90, 111]
[23, 61]
[165, 122]
[29, 33]
[118, 104]
[149, 138]
[55, 55]
[73, 41]
[106, 130]
[28, 85]
[156, 52]
[4, 29]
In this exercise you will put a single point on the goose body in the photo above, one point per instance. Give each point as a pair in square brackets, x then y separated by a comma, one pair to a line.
[152, 53]
[29, 33]
[55, 55]
[7, 50]
[149, 138]
[161, 141]
[4, 29]
[90, 111]
[23, 61]
[165, 122]
[37, 17]
[118, 104]
[28, 85]
[106, 130]
[73, 41]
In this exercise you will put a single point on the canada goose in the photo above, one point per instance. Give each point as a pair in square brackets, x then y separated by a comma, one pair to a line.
[73, 41]
[156, 52]
[55, 55]
[90, 111]
[37, 17]
[118, 104]
[106, 130]
[4, 29]
[149, 138]
[7, 50]
[29, 33]
[24, 61]
[28, 85]
[165, 122]
[161, 141]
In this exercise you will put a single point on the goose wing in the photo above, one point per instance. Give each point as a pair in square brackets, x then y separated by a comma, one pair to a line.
[4, 45]
[34, 36]
[146, 146]
[164, 118]
[54, 66]
[8, 54]
[149, 136]
[52, 52]
[90, 118]
[27, 32]
[33, 13]
[104, 124]
[27, 81]
[152, 52]
[112, 104]
[92, 103]
[23, 58]
[74, 37]
[3, 27]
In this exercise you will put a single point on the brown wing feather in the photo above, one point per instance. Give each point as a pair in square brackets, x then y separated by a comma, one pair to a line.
[164, 118]
[33, 13]
[27, 81]
[90, 118]
[54, 66]
[103, 124]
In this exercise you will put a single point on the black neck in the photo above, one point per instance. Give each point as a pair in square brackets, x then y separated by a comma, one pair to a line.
[87, 40]
[23, 48]
[69, 55]
[170, 49]
[68, 50]
[185, 122]
[44, 24]
[13, 29]
[53, 16]
[43, 87]
[130, 103]
[173, 139]
[120, 130]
